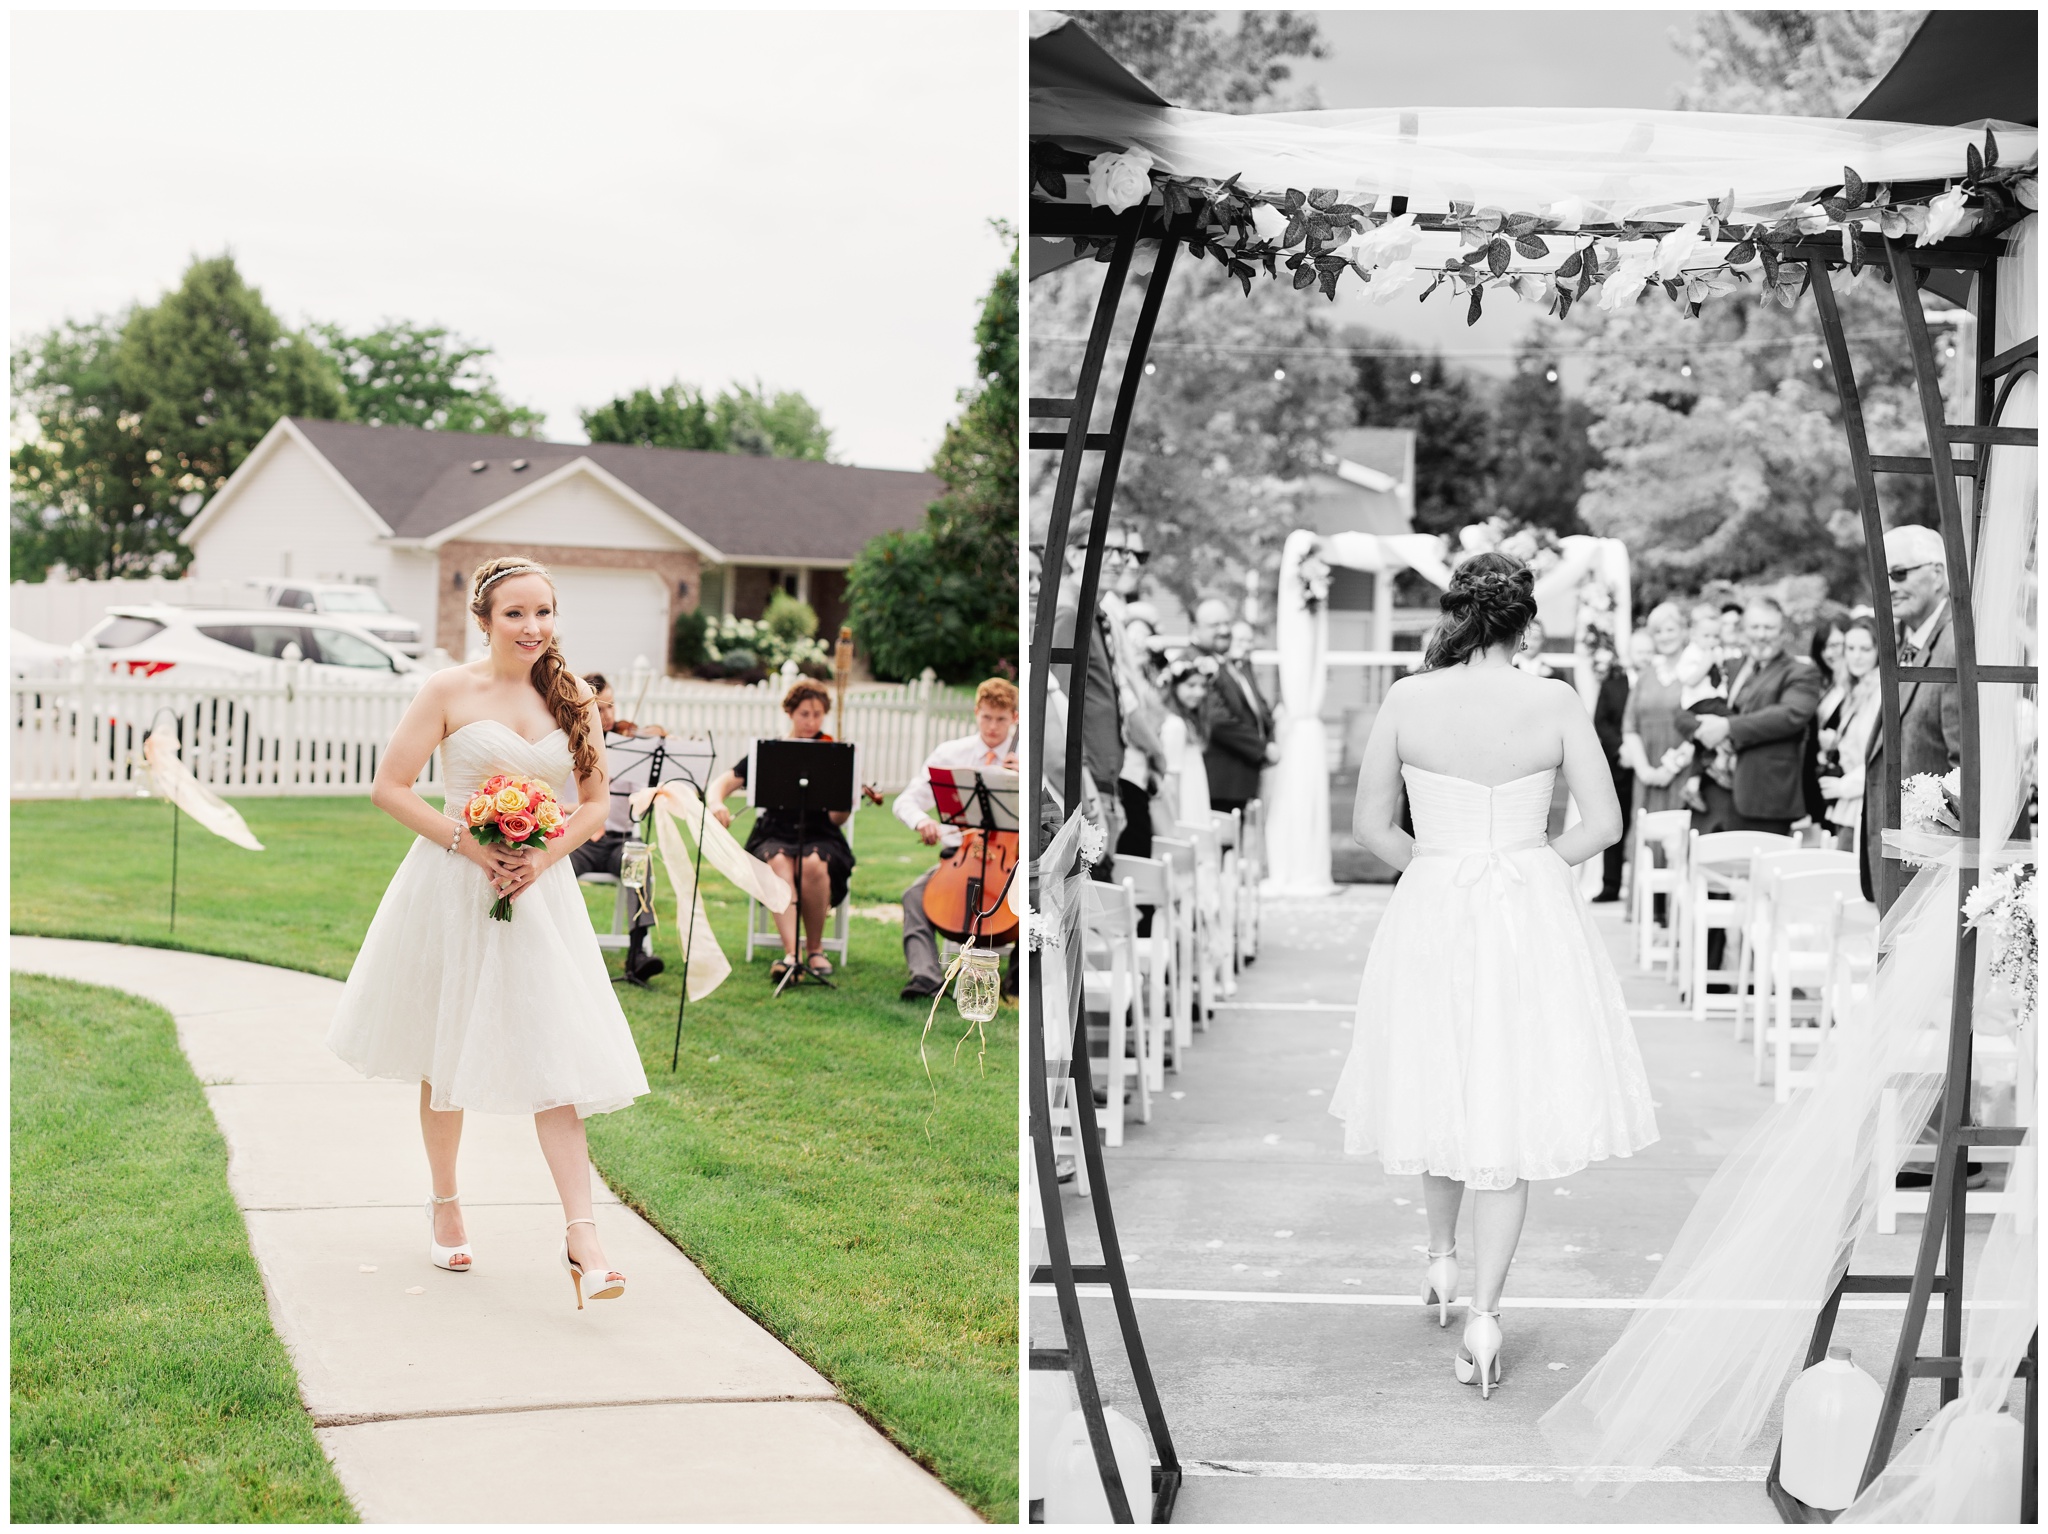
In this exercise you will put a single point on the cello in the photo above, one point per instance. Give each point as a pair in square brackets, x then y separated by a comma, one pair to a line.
[966, 894]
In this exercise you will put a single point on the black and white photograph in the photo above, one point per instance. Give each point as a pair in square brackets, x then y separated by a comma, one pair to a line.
[1530, 692]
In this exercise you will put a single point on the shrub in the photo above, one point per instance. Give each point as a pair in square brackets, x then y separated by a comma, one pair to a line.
[789, 620]
[686, 642]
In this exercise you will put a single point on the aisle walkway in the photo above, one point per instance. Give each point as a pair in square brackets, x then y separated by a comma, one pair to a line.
[1301, 1378]
[487, 1397]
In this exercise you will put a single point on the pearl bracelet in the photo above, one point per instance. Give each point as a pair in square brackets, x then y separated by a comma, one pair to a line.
[455, 838]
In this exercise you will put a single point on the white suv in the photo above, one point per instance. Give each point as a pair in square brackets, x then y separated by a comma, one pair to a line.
[361, 607]
[210, 644]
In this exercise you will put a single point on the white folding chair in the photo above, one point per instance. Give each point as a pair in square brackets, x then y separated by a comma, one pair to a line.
[1852, 956]
[1230, 856]
[1151, 879]
[1212, 933]
[1802, 903]
[1190, 981]
[1892, 1200]
[1114, 987]
[1651, 832]
[761, 931]
[1717, 863]
[1065, 1116]
[1754, 967]
[1251, 864]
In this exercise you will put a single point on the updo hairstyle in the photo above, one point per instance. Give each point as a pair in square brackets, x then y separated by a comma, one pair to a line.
[551, 676]
[1491, 600]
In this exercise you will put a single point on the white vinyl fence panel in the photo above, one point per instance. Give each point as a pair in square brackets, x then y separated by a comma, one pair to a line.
[294, 731]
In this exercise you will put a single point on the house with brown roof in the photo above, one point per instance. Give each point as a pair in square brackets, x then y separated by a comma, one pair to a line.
[634, 535]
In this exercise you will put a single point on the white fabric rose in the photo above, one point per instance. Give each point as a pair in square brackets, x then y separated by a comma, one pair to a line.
[1390, 279]
[1392, 241]
[1946, 215]
[1120, 181]
[1673, 249]
[1638, 265]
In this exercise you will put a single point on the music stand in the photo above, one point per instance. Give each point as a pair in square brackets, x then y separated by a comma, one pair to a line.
[971, 800]
[797, 775]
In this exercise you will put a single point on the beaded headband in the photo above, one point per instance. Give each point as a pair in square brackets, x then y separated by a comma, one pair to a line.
[510, 570]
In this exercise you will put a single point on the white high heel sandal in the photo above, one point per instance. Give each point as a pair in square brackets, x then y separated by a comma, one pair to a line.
[1479, 1356]
[1440, 1284]
[444, 1256]
[608, 1285]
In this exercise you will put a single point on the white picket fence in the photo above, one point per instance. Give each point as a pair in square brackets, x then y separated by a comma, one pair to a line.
[294, 731]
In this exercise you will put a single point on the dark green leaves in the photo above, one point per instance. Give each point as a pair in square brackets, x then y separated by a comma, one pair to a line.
[1497, 256]
[1531, 246]
[1472, 313]
[1568, 268]
[1976, 161]
[1854, 192]
[1743, 253]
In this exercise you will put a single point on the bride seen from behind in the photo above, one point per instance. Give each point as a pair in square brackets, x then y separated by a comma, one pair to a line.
[1492, 1042]
[510, 1016]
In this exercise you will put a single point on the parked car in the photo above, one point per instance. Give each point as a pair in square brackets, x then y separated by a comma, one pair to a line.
[38, 658]
[210, 644]
[361, 607]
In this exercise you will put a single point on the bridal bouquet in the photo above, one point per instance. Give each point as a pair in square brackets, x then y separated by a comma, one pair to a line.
[1928, 805]
[517, 812]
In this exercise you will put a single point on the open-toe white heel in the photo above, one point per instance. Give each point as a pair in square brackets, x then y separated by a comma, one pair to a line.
[446, 1256]
[1479, 1356]
[1440, 1284]
[590, 1284]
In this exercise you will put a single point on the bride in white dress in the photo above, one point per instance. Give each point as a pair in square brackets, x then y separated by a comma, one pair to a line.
[501, 1016]
[1492, 1042]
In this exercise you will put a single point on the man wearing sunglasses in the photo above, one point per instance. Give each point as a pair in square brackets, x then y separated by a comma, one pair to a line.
[1930, 713]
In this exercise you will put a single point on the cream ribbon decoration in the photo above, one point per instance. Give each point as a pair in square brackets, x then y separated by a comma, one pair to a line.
[171, 780]
[678, 802]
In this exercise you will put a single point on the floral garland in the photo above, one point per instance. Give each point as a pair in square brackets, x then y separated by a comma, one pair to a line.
[1928, 806]
[1318, 237]
[2003, 909]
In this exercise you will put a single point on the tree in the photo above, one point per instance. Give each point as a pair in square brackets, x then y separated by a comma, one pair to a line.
[403, 374]
[126, 424]
[1456, 457]
[1540, 444]
[1724, 453]
[944, 595]
[741, 420]
[1192, 62]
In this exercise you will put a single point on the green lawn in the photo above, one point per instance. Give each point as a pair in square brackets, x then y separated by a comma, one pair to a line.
[787, 1155]
[148, 1385]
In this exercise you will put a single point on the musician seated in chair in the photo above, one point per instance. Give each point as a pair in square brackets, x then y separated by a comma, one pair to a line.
[992, 746]
[626, 771]
[828, 860]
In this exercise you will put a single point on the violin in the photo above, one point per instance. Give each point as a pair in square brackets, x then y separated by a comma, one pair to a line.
[974, 876]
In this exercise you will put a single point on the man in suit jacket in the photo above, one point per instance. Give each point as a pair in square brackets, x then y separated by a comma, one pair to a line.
[1771, 701]
[1240, 724]
[1930, 713]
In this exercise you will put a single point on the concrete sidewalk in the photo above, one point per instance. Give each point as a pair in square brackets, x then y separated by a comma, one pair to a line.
[1276, 1278]
[486, 1396]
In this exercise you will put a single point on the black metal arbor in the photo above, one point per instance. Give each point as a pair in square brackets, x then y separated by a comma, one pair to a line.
[1939, 1267]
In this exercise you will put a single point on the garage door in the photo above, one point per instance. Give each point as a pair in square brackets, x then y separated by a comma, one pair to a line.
[608, 617]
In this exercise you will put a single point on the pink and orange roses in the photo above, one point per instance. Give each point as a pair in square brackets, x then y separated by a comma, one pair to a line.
[517, 812]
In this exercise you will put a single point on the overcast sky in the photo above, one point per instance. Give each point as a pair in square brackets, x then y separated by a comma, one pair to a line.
[1525, 58]
[606, 200]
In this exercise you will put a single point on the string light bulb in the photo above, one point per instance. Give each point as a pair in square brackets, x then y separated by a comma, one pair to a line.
[1818, 364]
[1550, 375]
[1279, 375]
[1151, 368]
[1685, 370]
[1415, 378]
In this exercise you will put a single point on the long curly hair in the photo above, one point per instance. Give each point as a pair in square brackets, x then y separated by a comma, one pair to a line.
[1491, 600]
[552, 678]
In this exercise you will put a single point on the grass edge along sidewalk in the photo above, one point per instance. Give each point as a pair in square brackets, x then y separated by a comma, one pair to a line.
[148, 1384]
[787, 1156]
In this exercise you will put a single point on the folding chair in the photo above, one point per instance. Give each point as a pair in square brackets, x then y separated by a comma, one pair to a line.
[1892, 1200]
[1059, 1092]
[1192, 999]
[1151, 879]
[1755, 963]
[1252, 866]
[1650, 832]
[1803, 903]
[761, 931]
[1230, 865]
[1718, 863]
[1114, 988]
[1213, 940]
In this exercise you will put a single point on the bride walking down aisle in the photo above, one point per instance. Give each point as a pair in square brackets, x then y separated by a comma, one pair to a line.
[503, 1016]
[1492, 1044]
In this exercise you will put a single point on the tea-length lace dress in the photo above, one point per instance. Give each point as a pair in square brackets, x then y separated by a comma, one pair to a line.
[1492, 1041]
[500, 1016]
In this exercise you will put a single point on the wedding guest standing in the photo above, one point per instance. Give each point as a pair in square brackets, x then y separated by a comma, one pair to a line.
[1849, 715]
[1770, 701]
[1102, 727]
[1930, 713]
[1240, 724]
[1186, 735]
[1826, 654]
[1651, 746]
[1609, 706]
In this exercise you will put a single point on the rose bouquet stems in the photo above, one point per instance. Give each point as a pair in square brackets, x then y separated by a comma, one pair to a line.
[513, 812]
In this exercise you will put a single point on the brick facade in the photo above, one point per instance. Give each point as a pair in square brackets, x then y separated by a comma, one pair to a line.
[678, 568]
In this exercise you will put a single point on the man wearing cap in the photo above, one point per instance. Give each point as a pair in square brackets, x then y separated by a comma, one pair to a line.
[1930, 713]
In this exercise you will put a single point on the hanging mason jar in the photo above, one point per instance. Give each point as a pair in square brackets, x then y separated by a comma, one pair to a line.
[977, 989]
[634, 863]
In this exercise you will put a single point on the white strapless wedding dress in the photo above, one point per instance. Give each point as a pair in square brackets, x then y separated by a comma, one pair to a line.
[501, 1016]
[1492, 1041]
